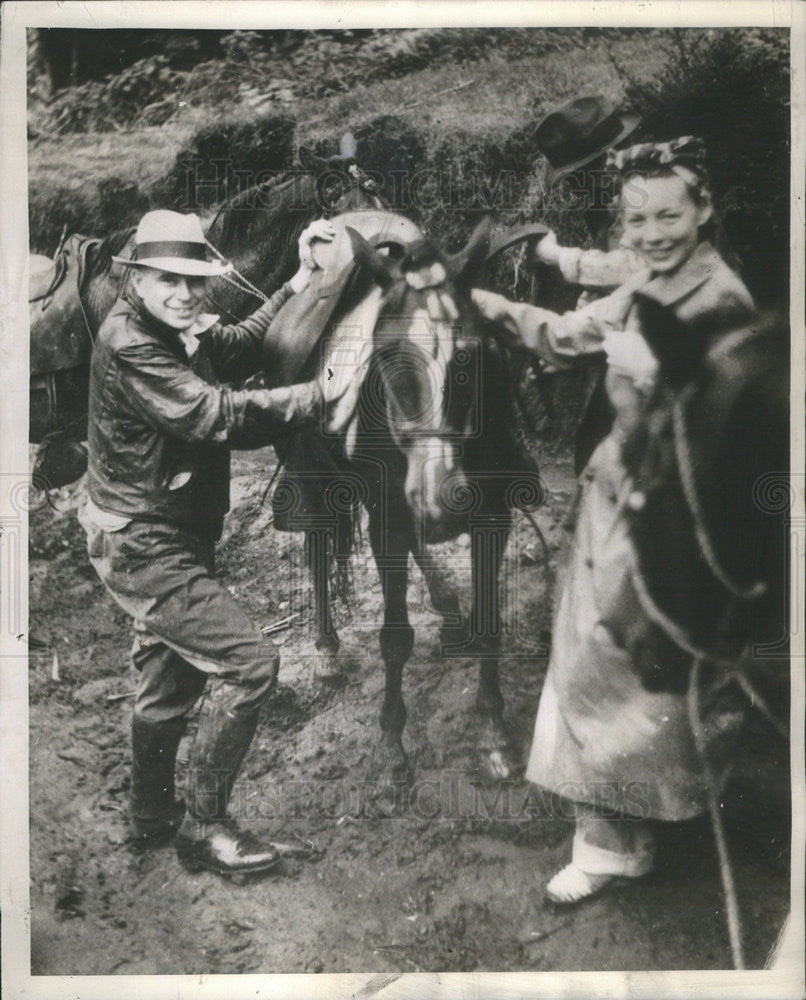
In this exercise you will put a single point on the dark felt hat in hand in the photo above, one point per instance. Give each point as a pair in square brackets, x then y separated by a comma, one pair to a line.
[579, 131]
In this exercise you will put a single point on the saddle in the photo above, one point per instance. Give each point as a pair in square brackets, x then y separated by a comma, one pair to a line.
[60, 343]
[299, 326]
[60, 335]
[41, 276]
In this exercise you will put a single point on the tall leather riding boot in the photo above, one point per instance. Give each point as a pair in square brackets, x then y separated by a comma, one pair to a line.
[209, 838]
[155, 814]
[215, 759]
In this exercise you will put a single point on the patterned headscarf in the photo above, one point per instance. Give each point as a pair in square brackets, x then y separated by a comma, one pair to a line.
[687, 151]
[684, 156]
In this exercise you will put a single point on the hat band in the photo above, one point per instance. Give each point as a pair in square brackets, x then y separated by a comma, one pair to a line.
[171, 248]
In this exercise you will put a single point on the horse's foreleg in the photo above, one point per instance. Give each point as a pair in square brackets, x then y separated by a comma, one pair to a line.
[444, 598]
[488, 543]
[391, 551]
[319, 558]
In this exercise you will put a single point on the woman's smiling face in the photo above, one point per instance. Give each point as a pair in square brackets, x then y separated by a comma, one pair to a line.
[173, 299]
[661, 220]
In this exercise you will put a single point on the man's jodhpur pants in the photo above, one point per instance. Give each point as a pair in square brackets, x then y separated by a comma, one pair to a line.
[188, 629]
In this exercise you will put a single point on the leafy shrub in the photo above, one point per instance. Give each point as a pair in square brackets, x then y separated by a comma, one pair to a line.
[391, 150]
[137, 93]
[221, 160]
[271, 69]
[112, 204]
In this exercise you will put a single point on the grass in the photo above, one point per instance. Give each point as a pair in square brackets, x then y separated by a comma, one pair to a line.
[504, 92]
[74, 160]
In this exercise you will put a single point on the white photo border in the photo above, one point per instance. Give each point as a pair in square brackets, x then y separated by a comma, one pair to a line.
[14, 860]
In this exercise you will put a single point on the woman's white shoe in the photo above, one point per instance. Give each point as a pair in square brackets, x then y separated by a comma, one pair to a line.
[572, 884]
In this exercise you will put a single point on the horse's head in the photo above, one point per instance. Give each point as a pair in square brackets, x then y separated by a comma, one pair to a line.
[341, 185]
[711, 554]
[423, 386]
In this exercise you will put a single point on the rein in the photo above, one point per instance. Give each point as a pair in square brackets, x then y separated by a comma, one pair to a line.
[725, 869]
[699, 657]
[240, 282]
[685, 467]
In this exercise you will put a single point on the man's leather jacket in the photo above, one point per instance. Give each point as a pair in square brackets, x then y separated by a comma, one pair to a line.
[161, 424]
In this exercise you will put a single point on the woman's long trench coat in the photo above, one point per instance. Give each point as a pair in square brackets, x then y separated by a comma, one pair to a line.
[601, 737]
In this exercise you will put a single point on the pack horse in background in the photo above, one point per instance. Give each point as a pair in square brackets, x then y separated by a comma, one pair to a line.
[70, 295]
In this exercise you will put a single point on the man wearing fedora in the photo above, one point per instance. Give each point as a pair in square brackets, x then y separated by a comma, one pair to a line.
[160, 428]
[575, 139]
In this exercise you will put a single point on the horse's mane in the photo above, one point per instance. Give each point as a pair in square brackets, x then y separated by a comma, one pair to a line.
[110, 246]
[237, 217]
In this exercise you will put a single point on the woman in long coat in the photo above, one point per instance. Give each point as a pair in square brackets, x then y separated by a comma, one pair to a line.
[624, 755]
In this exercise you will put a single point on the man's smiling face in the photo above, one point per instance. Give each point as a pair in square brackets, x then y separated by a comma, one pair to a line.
[173, 299]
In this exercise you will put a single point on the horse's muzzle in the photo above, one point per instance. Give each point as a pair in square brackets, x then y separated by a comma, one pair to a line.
[436, 490]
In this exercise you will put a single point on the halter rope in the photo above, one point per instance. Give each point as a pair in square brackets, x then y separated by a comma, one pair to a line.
[682, 640]
[243, 284]
[725, 869]
[685, 467]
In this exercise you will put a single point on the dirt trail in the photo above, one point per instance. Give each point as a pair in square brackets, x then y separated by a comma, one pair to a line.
[452, 884]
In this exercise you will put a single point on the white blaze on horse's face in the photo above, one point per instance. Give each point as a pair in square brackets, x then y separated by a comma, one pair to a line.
[431, 462]
[173, 299]
[415, 372]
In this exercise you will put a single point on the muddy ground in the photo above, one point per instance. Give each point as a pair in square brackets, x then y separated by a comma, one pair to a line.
[454, 883]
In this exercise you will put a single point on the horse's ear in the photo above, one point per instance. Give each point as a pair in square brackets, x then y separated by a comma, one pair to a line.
[348, 147]
[679, 347]
[310, 161]
[366, 257]
[462, 266]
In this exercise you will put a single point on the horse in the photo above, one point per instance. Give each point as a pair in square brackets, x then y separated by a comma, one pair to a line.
[706, 608]
[258, 230]
[710, 551]
[429, 452]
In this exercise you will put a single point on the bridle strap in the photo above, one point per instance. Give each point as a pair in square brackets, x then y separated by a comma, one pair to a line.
[670, 628]
[685, 467]
[83, 249]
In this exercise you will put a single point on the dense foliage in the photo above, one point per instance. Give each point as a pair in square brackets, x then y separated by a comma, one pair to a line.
[270, 69]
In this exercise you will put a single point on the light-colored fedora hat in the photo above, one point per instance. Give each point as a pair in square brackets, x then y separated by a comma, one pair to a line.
[170, 241]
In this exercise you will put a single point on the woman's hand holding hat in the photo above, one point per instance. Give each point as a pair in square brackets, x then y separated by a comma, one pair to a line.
[547, 251]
